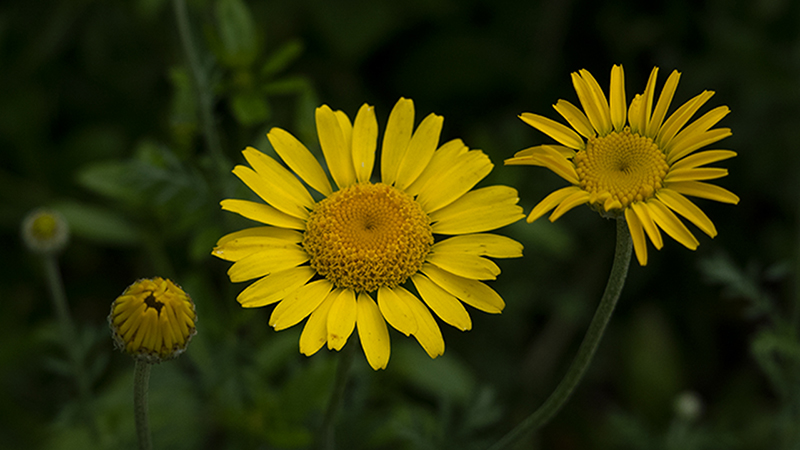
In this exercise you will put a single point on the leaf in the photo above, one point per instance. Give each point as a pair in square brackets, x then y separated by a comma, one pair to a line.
[98, 224]
[444, 377]
[111, 179]
[281, 58]
[237, 33]
[250, 108]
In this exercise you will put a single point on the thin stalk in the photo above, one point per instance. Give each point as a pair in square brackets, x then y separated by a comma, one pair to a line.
[202, 85]
[562, 393]
[327, 432]
[72, 345]
[141, 381]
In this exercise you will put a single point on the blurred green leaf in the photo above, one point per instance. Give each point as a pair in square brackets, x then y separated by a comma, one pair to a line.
[483, 411]
[250, 108]
[98, 224]
[288, 85]
[739, 283]
[183, 107]
[779, 357]
[111, 179]
[237, 33]
[443, 377]
[280, 59]
[654, 375]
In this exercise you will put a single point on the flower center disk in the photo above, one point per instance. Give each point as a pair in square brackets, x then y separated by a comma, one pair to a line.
[623, 167]
[367, 236]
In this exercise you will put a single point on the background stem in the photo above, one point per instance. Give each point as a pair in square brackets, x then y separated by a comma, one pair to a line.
[327, 432]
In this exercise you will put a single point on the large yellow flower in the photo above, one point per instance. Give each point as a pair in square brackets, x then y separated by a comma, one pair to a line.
[327, 259]
[632, 161]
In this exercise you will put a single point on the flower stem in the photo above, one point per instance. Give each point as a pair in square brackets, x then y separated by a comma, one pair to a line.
[141, 381]
[616, 280]
[327, 439]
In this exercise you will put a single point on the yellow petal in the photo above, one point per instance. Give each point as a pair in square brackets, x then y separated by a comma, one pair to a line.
[483, 244]
[635, 113]
[551, 201]
[454, 182]
[342, 319]
[270, 192]
[618, 104]
[396, 310]
[587, 102]
[550, 157]
[637, 236]
[647, 102]
[337, 152]
[702, 158]
[561, 133]
[691, 143]
[646, 219]
[701, 125]
[443, 159]
[444, 304]
[670, 223]
[576, 118]
[428, 333]
[698, 174]
[281, 179]
[577, 198]
[664, 101]
[566, 152]
[679, 118]
[420, 150]
[365, 141]
[264, 262]
[240, 248]
[373, 333]
[300, 160]
[468, 266]
[315, 333]
[396, 139]
[275, 287]
[346, 127]
[299, 304]
[272, 232]
[471, 292]
[262, 213]
[477, 211]
[704, 190]
[687, 209]
[598, 101]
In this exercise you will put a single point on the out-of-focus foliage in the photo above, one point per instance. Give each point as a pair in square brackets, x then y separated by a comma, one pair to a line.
[101, 118]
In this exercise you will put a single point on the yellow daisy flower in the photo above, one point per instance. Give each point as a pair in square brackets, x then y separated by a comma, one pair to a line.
[329, 260]
[153, 320]
[631, 160]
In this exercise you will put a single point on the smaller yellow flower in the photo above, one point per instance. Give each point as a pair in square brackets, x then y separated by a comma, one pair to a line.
[153, 320]
[45, 231]
[633, 161]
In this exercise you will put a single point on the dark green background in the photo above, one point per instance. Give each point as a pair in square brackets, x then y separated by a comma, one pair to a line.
[99, 118]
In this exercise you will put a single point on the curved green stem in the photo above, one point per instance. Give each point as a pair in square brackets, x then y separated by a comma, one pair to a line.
[554, 403]
[327, 439]
[141, 381]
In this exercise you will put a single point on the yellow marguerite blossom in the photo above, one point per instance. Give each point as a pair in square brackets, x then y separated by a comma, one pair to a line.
[633, 160]
[329, 260]
[153, 320]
